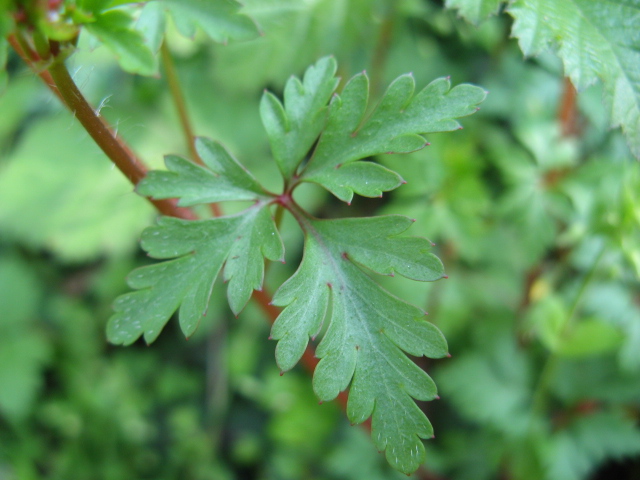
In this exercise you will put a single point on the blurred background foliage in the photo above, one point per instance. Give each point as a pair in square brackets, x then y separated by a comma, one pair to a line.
[534, 207]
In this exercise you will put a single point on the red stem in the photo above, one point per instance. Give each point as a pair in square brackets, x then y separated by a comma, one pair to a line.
[105, 137]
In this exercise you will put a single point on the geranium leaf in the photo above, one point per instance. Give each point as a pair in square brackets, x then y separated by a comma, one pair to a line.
[368, 327]
[395, 126]
[198, 250]
[294, 127]
[222, 178]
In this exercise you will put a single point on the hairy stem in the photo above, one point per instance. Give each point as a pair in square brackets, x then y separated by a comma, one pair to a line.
[104, 136]
[30, 57]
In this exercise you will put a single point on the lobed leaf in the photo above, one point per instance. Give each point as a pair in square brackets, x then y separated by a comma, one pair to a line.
[198, 250]
[596, 39]
[395, 126]
[219, 19]
[475, 10]
[112, 28]
[221, 179]
[293, 128]
[368, 327]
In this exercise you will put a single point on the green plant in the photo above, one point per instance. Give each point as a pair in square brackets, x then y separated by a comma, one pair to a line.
[337, 141]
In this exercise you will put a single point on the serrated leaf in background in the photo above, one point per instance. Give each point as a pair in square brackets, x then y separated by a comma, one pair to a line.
[597, 40]
[395, 126]
[201, 248]
[296, 35]
[475, 10]
[219, 19]
[368, 328]
[221, 179]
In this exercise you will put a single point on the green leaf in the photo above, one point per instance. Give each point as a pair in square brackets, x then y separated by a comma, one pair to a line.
[294, 128]
[491, 384]
[364, 178]
[368, 327]
[475, 10]
[576, 451]
[590, 337]
[151, 24]
[199, 249]
[113, 28]
[219, 19]
[395, 126]
[596, 39]
[222, 178]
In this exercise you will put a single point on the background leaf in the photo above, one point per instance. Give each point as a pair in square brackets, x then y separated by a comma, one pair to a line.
[596, 40]
[220, 20]
[475, 10]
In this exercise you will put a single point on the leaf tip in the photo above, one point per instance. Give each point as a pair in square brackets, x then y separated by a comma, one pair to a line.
[445, 277]
[448, 355]
[437, 397]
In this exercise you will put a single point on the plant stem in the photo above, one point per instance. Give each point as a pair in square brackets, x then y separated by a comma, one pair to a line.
[181, 106]
[179, 101]
[381, 52]
[104, 136]
[540, 393]
[568, 110]
[30, 57]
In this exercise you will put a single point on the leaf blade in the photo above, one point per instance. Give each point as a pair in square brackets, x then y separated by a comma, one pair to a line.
[595, 40]
[368, 330]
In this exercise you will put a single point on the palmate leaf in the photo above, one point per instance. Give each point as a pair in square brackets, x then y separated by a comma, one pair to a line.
[596, 39]
[368, 327]
[199, 249]
[395, 126]
[369, 332]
